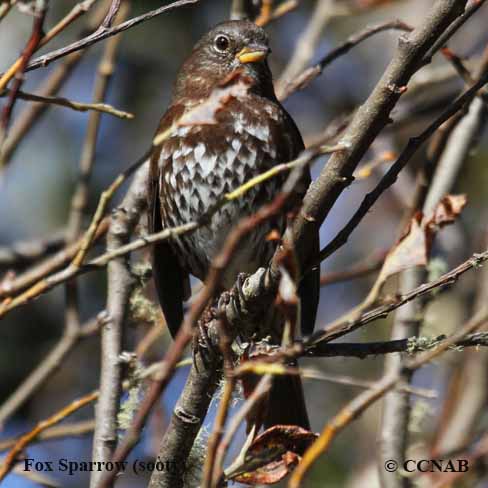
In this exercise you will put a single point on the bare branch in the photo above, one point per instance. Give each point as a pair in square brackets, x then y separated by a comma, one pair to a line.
[74, 429]
[103, 33]
[369, 120]
[105, 70]
[23, 253]
[31, 46]
[325, 11]
[30, 115]
[328, 334]
[410, 345]
[11, 287]
[48, 366]
[409, 320]
[79, 106]
[5, 7]
[364, 268]
[268, 15]
[391, 175]
[301, 80]
[120, 284]
[20, 445]
[363, 401]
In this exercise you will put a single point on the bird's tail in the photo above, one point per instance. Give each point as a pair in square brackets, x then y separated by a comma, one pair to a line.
[283, 405]
[286, 403]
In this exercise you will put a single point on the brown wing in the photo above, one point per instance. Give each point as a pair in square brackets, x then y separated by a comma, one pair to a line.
[288, 390]
[309, 288]
[172, 282]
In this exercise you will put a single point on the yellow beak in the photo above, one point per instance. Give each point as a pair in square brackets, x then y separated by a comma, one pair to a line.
[250, 55]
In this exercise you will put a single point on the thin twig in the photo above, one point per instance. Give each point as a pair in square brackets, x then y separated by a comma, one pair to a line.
[32, 113]
[328, 334]
[26, 439]
[72, 334]
[112, 13]
[32, 44]
[223, 411]
[103, 33]
[14, 286]
[79, 106]
[5, 7]
[105, 71]
[363, 401]
[267, 16]
[359, 270]
[470, 10]
[262, 389]
[80, 428]
[305, 77]
[74, 429]
[411, 345]
[391, 175]
[368, 121]
[325, 11]
[25, 253]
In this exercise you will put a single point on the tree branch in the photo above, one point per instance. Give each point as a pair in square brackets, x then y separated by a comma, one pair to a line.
[120, 283]
[103, 33]
[363, 401]
[31, 46]
[366, 124]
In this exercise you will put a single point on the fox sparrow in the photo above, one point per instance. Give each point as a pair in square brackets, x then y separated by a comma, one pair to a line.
[197, 164]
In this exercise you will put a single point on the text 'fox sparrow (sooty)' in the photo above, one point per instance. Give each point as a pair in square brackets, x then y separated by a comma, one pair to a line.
[197, 164]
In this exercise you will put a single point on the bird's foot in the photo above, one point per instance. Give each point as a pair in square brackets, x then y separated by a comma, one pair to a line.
[245, 309]
[206, 338]
[202, 346]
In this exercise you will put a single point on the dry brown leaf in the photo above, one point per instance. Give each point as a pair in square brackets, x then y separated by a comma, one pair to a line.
[274, 454]
[410, 251]
[448, 210]
[413, 249]
[234, 86]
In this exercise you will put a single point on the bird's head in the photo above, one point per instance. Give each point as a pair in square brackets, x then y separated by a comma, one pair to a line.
[228, 47]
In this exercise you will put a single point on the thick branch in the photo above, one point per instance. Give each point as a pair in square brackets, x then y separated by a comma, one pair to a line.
[120, 282]
[367, 123]
[394, 435]
[410, 345]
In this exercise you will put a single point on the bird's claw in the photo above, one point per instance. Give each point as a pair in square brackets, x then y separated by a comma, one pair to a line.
[202, 346]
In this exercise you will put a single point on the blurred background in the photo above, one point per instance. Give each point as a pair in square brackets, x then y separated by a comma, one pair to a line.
[41, 175]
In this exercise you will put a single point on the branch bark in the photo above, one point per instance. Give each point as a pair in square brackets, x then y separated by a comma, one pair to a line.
[394, 434]
[120, 283]
[367, 123]
[30, 115]
[101, 34]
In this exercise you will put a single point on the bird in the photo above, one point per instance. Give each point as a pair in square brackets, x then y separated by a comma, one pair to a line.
[196, 164]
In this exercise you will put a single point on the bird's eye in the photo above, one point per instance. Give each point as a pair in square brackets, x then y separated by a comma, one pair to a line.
[222, 43]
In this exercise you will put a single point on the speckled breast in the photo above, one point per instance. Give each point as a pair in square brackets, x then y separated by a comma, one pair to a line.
[199, 164]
